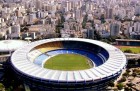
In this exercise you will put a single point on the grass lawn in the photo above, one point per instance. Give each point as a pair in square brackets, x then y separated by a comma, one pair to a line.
[67, 62]
[133, 49]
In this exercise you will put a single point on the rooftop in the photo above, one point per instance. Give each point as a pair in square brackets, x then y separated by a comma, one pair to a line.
[11, 45]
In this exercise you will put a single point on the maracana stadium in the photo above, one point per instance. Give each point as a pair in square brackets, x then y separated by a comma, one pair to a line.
[68, 63]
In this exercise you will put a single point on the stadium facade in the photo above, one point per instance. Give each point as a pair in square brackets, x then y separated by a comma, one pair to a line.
[28, 61]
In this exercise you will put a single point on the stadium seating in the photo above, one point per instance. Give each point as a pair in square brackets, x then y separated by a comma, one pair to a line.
[49, 46]
[33, 54]
[40, 59]
[93, 52]
[104, 53]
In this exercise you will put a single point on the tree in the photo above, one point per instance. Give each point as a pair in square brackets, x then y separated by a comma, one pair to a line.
[128, 70]
[138, 60]
[137, 15]
[111, 84]
[24, 29]
[1, 37]
[127, 89]
[126, 74]
[2, 87]
[123, 79]
[97, 36]
[116, 17]
[128, 51]
[84, 21]
[102, 18]
[62, 18]
[134, 74]
[129, 84]
[120, 86]
[106, 40]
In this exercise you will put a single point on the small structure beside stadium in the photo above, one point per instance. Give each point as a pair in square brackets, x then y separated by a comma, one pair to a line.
[7, 47]
[127, 42]
[28, 64]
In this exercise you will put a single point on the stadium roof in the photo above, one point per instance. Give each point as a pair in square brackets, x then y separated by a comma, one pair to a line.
[114, 65]
[11, 45]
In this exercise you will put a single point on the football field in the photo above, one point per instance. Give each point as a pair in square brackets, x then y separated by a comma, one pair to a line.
[68, 62]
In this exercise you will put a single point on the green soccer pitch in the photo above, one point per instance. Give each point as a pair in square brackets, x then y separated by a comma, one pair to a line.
[68, 62]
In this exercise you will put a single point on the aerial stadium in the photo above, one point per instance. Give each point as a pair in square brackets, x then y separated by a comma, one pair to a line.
[68, 63]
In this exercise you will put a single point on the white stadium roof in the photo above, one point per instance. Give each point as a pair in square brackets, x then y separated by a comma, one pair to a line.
[115, 63]
[11, 45]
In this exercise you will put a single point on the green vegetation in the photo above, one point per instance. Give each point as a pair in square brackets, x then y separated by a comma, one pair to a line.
[136, 72]
[111, 84]
[102, 18]
[2, 87]
[130, 49]
[129, 84]
[127, 89]
[130, 76]
[133, 63]
[68, 62]
[10, 82]
[126, 74]
[110, 39]
[123, 79]
[120, 86]
[84, 21]
[97, 36]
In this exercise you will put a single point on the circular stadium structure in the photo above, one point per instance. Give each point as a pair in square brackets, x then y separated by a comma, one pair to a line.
[28, 63]
[9, 46]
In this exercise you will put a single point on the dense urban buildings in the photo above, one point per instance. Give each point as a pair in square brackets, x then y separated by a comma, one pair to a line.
[68, 18]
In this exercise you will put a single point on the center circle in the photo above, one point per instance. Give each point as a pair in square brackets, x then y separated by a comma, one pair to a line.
[68, 62]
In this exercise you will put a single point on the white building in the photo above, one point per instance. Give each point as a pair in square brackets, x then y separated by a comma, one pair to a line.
[14, 31]
[114, 29]
[137, 10]
[137, 27]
